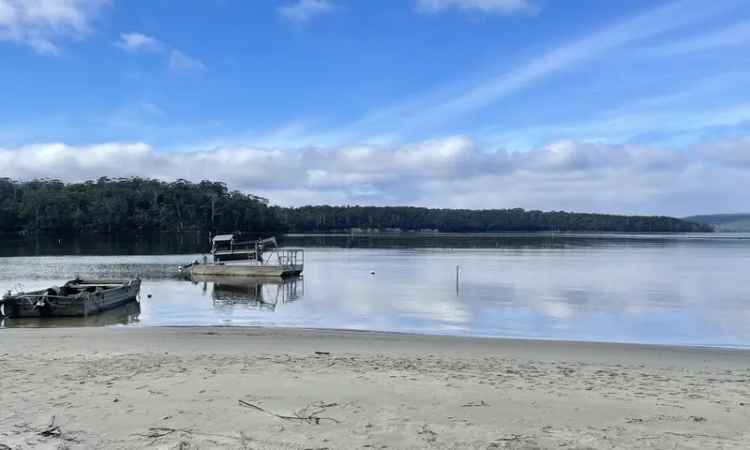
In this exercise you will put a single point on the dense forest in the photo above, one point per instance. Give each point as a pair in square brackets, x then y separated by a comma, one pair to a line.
[144, 205]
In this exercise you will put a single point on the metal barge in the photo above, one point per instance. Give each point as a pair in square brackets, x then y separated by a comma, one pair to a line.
[76, 298]
[261, 258]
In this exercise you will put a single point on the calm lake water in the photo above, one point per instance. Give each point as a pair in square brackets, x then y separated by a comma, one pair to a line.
[667, 289]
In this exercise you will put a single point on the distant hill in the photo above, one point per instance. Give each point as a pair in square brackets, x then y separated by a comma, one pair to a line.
[724, 222]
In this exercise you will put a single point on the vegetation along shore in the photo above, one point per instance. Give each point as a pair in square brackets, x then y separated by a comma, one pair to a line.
[138, 204]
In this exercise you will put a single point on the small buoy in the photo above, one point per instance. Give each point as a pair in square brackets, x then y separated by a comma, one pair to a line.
[148, 295]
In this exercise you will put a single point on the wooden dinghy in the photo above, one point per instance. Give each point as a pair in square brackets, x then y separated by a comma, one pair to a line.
[73, 299]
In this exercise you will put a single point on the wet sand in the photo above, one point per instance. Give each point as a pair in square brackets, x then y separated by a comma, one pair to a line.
[250, 388]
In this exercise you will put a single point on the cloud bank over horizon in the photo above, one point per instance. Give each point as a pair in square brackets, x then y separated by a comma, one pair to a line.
[451, 172]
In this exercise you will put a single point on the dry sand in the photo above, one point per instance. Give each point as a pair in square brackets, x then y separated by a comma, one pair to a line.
[185, 388]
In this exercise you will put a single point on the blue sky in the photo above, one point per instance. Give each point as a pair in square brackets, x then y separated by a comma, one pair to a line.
[621, 106]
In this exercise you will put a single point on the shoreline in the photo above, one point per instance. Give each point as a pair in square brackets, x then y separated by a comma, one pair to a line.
[351, 337]
[184, 387]
[509, 339]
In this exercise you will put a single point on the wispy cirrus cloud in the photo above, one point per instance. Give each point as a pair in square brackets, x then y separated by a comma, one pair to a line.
[482, 6]
[177, 60]
[449, 172]
[181, 62]
[462, 97]
[301, 11]
[41, 24]
[736, 35]
[136, 42]
[670, 123]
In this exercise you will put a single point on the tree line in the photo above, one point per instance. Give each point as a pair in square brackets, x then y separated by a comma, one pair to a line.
[118, 205]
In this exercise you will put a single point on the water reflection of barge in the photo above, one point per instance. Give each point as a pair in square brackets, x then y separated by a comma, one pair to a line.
[252, 292]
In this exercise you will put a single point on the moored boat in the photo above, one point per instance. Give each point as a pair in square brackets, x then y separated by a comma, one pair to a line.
[73, 299]
[233, 258]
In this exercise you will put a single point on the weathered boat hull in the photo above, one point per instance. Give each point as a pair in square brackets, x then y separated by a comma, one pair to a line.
[124, 314]
[85, 303]
[240, 270]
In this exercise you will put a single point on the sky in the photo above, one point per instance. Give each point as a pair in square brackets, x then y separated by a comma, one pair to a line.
[624, 106]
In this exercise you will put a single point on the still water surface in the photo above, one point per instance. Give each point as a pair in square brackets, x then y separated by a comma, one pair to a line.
[667, 289]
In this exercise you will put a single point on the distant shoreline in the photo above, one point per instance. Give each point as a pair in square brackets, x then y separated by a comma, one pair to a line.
[164, 243]
[51, 235]
[124, 204]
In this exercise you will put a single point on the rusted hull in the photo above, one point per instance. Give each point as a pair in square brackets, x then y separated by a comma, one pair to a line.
[221, 270]
[37, 304]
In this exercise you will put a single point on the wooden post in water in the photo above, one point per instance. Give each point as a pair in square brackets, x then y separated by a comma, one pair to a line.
[457, 270]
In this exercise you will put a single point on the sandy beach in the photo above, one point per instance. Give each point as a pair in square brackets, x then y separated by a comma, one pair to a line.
[250, 388]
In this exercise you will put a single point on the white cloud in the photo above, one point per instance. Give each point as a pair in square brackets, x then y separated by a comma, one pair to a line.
[181, 62]
[484, 6]
[41, 23]
[733, 153]
[135, 42]
[448, 172]
[303, 10]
